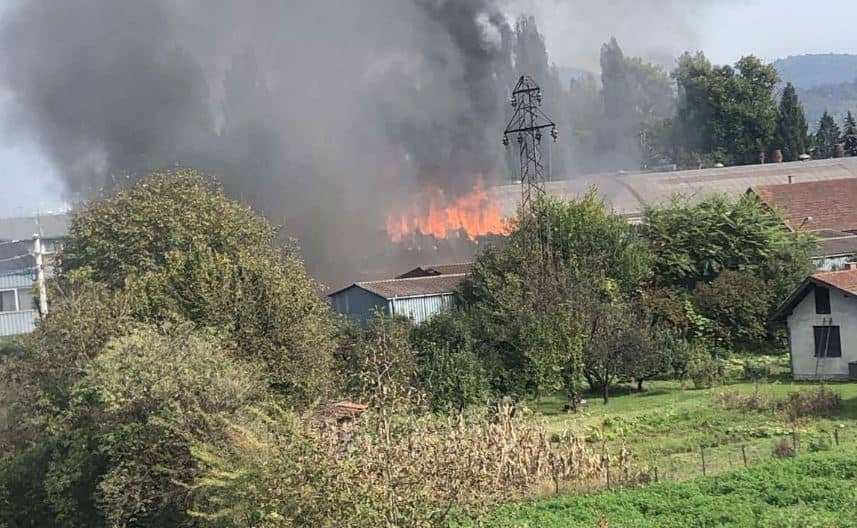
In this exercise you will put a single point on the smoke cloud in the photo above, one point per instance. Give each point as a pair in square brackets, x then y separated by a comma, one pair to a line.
[320, 114]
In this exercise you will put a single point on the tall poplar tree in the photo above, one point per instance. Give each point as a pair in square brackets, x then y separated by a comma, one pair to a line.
[791, 126]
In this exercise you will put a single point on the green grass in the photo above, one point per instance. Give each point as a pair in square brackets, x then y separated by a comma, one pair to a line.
[665, 425]
[817, 490]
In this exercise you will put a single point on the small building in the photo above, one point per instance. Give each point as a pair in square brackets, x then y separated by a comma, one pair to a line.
[52, 228]
[824, 208]
[821, 321]
[418, 298]
[18, 307]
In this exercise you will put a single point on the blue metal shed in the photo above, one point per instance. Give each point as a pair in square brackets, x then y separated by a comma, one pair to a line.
[418, 298]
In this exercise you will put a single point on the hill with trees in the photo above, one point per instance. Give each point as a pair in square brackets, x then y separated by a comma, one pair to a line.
[811, 70]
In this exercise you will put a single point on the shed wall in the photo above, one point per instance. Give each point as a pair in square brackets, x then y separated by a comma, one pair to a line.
[15, 323]
[421, 309]
[358, 304]
[843, 313]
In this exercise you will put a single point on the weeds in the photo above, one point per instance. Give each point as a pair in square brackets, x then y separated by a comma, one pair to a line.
[794, 406]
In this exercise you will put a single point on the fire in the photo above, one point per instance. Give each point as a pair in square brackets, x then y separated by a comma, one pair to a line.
[474, 214]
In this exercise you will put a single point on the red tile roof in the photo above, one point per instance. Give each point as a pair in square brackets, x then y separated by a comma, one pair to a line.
[844, 280]
[411, 287]
[830, 203]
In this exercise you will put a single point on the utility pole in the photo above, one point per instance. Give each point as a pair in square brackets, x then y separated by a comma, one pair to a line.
[40, 276]
[526, 127]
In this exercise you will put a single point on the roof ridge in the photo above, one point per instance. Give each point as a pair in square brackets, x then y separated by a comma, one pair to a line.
[411, 278]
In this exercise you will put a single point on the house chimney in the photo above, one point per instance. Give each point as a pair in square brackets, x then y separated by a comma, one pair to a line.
[790, 179]
[778, 156]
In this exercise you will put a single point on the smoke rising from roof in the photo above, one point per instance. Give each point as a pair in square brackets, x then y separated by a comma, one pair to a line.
[320, 114]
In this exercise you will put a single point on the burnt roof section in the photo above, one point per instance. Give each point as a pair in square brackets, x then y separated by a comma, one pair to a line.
[23, 228]
[845, 281]
[829, 204]
[411, 287]
[437, 269]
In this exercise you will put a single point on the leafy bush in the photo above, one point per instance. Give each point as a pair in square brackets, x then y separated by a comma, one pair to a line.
[704, 370]
[452, 380]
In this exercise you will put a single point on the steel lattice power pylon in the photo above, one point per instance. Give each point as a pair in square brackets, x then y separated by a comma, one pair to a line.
[526, 128]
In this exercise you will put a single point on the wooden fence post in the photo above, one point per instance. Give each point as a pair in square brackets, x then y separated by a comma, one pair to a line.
[794, 441]
[702, 454]
[744, 454]
[607, 469]
[836, 435]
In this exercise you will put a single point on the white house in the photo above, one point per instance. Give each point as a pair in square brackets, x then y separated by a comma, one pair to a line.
[821, 318]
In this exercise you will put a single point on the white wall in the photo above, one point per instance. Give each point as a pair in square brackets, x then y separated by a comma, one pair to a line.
[843, 312]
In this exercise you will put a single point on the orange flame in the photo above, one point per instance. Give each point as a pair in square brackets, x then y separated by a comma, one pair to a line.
[475, 214]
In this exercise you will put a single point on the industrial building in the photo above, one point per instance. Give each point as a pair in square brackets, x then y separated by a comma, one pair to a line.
[27, 248]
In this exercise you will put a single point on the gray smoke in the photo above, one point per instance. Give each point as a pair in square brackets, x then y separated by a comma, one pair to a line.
[321, 114]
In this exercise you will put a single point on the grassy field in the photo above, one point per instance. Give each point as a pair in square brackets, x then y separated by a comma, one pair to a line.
[666, 425]
[816, 490]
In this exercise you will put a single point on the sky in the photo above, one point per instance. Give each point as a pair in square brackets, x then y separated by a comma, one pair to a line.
[724, 29]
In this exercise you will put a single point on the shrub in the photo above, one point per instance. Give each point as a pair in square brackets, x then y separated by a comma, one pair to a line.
[819, 402]
[704, 370]
[451, 379]
[784, 449]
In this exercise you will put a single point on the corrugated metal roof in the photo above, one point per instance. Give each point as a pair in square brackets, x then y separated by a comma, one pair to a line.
[19, 263]
[831, 247]
[630, 193]
[411, 287]
[47, 225]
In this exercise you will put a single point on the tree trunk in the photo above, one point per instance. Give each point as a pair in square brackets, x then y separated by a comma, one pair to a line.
[640, 385]
[606, 391]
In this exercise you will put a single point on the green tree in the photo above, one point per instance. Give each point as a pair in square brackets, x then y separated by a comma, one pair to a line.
[725, 114]
[695, 242]
[526, 319]
[635, 96]
[826, 137]
[738, 304]
[849, 126]
[791, 126]
[448, 371]
[181, 250]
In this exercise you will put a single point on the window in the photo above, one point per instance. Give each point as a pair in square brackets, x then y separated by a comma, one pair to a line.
[822, 300]
[827, 342]
[8, 301]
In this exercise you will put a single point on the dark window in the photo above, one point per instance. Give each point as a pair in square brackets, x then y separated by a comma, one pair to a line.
[827, 342]
[822, 300]
[8, 302]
